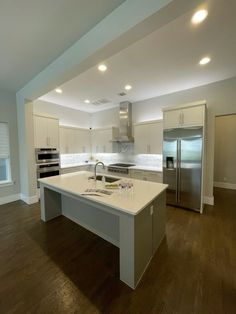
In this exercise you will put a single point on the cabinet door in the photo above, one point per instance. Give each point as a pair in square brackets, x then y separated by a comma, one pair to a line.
[63, 141]
[53, 132]
[105, 137]
[153, 176]
[193, 116]
[40, 132]
[136, 174]
[141, 139]
[155, 137]
[172, 119]
[85, 141]
[95, 141]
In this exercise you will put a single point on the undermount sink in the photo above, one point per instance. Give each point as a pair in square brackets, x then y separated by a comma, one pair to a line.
[108, 179]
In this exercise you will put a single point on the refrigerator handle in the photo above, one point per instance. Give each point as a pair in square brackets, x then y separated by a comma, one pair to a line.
[179, 170]
[177, 173]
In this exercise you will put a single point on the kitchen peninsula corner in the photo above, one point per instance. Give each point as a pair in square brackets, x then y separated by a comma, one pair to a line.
[134, 221]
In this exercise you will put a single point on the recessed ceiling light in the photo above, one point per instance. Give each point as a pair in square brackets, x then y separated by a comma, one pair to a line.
[58, 90]
[199, 16]
[204, 60]
[128, 87]
[102, 67]
[87, 101]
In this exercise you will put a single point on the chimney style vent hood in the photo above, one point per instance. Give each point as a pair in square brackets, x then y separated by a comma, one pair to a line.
[125, 128]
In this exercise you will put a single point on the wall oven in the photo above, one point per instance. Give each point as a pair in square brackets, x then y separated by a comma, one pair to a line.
[47, 162]
[46, 155]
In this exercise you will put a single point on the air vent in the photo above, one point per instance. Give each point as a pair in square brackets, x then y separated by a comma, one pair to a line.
[100, 102]
[122, 94]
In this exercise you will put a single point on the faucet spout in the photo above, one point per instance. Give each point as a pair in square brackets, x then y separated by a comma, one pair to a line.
[95, 169]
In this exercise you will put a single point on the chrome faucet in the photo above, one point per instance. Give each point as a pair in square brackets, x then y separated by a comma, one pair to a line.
[95, 169]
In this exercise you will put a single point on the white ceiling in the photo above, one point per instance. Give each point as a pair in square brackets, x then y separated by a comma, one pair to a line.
[163, 62]
[33, 33]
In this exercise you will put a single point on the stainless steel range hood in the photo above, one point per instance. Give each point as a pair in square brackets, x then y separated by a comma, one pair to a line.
[125, 127]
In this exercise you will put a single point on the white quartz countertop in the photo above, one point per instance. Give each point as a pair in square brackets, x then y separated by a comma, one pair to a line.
[138, 167]
[131, 202]
[146, 168]
[64, 166]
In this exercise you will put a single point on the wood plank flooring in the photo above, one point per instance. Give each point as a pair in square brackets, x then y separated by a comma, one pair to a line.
[59, 267]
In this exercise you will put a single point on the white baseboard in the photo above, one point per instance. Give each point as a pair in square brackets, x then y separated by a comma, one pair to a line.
[9, 198]
[29, 199]
[209, 200]
[225, 185]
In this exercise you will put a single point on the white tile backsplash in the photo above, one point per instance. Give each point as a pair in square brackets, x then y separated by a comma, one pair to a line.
[73, 159]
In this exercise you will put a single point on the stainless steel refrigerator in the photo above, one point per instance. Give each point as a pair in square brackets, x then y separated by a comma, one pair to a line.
[182, 167]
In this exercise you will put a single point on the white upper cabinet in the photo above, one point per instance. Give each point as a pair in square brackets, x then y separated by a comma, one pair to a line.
[102, 140]
[46, 132]
[148, 137]
[184, 117]
[74, 140]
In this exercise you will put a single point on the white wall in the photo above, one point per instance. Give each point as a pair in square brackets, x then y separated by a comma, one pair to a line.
[67, 116]
[8, 114]
[225, 152]
[104, 118]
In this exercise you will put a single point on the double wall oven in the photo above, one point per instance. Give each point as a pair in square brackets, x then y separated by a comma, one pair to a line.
[47, 162]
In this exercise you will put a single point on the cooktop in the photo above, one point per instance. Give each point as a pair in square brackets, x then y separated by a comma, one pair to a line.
[121, 165]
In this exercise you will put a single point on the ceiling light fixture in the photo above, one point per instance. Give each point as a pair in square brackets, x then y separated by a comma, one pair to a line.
[199, 16]
[87, 101]
[128, 87]
[204, 60]
[58, 90]
[102, 67]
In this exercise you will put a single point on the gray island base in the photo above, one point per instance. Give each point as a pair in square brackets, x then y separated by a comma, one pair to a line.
[134, 222]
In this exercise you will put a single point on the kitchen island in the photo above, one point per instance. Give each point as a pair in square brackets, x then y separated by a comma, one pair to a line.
[133, 220]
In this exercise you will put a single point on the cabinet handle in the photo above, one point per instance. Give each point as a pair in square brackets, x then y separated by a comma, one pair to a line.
[182, 118]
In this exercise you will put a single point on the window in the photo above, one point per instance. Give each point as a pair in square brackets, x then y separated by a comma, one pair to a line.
[5, 171]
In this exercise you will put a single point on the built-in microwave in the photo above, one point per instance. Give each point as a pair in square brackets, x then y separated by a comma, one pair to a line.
[46, 155]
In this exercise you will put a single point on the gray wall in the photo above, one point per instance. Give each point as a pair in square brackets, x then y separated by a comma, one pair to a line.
[8, 114]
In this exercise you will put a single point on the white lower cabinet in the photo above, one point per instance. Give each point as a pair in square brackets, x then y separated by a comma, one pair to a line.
[152, 176]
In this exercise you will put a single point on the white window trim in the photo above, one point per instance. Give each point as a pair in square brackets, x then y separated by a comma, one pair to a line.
[8, 158]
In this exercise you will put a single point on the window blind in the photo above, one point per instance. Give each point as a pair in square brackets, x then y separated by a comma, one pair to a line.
[4, 140]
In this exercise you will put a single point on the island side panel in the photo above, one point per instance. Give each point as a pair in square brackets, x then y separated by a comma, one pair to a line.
[159, 220]
[135, 246]
[89, 216]
[50, 203]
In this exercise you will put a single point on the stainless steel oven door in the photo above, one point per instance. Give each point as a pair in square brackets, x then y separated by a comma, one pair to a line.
[45, 156]
[47, 170]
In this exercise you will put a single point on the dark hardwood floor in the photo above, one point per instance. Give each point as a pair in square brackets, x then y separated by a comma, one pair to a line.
[59, 267]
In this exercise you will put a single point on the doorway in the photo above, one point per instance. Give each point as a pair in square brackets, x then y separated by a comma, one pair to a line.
[225, 152]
